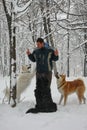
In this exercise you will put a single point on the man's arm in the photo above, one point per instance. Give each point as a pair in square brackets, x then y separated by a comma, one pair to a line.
[31, 56]
[55, 55]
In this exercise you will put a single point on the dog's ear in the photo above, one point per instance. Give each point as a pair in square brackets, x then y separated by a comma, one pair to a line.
[56, 75]
[64, 76]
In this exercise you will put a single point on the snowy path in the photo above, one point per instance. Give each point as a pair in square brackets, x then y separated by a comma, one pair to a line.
[70, 117]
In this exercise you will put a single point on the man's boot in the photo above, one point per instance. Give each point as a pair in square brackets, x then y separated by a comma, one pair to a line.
[38, 105]
[47, 102]
[32, 110]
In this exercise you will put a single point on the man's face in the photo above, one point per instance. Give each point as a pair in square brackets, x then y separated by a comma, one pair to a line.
[40, 45]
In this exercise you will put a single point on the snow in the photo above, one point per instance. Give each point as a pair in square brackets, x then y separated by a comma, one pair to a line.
[70, 117]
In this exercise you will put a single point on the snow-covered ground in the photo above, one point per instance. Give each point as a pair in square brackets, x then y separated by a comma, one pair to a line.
[70, 117]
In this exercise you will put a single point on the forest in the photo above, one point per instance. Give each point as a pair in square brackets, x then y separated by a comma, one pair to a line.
[62, 23]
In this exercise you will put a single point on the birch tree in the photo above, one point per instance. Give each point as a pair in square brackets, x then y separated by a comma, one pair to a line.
[15, 12]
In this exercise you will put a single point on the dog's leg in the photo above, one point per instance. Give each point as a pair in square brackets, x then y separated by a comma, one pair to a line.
[61, 98]
[81, 98]
[6, 96]
[65, 99]
[3, 100]
[18, 98]
[84, 100]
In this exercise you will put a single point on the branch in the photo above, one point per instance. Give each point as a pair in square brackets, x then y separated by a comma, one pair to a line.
[78, 23]
[18, 9]
[67, 12]
[78, 46]
[76, 28]
[5, 8]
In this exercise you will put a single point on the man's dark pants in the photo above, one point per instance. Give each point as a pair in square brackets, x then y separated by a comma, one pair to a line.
[44, 102]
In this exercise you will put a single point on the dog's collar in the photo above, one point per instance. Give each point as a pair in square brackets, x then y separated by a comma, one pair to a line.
[61, 85]
[26, 72]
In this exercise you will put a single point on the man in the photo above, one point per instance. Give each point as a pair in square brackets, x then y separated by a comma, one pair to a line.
[43, 57]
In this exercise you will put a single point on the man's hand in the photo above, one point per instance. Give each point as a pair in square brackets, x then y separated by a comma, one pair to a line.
[28, 52]
[56, 52]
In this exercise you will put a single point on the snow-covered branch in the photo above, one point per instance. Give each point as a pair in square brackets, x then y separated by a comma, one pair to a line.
[18, 9]
[78, 46]
[67, 12]
[71, 28]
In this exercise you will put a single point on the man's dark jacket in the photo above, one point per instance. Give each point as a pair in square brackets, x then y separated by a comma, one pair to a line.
[43, 58]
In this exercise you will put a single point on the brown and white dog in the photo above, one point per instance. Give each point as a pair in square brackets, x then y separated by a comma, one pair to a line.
[69, 87]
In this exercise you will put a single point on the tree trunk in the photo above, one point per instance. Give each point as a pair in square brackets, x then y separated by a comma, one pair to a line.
[49, 32]
[12, 44]
[68, 39]
[85, 47]
[44, 20]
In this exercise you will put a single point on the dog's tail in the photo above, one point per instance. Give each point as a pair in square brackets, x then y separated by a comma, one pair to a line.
[6, 92]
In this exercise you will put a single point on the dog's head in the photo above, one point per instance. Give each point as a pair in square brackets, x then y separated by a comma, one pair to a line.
[26, 68]
[60, 77]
